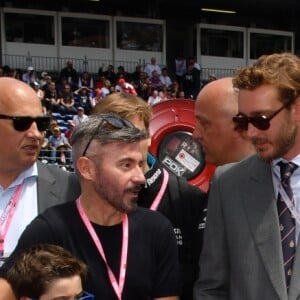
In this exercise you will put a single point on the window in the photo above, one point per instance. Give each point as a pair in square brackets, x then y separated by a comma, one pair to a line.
[81, 32]
[29, 28]
[139, 36]
[264, 43]
[224, 43]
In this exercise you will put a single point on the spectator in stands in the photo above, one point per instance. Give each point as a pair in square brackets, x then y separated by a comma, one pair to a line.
[70, 74]
[105, 90]
[60, 85]
[110, 74]
[192, 60]
[33, 185]
[29, 76]
[80, 117]
[152, 66]
[86, 80]
[69, 131]
[164, 93]
[53, 123]
[44, 152]
[40, 93]
[63, 156]
[100, 82]
[191, 82]
[145, 91]
[165, 78]
[125, 87]
[97, 97]
[83, 99]
[175, 89]
[67, 101]
[139, 85]
[121, 73]
[155, 81]
[154, 98]
[135, 76]
[51, 99]
[44, 79]
[180, 69]
[16, 73]
[54, 140]
[47, 271]
[180, 94]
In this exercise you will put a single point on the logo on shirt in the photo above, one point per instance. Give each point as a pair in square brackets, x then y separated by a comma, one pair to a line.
[178, 235]
[154, 177]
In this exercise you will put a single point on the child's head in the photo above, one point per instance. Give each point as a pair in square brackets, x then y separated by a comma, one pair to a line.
[47, 272]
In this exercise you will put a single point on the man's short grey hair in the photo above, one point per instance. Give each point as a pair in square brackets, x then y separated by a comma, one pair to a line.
[103, 134]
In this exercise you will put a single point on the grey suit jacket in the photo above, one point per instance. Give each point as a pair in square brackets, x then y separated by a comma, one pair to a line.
[242, 256]
[55, 186]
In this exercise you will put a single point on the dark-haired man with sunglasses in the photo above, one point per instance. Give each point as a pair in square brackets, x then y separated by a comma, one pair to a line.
[27, 187]
[250, 243]
[131, 252]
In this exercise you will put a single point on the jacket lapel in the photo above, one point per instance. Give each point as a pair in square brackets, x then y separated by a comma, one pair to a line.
[46, 191]
[260, 206]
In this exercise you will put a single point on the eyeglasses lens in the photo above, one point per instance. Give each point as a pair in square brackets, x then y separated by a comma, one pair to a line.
[24, 123]
[117, 123]
[260, 122]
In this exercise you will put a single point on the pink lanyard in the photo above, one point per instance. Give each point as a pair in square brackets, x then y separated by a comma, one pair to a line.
[159, 195]
[118, 287]
[7, 216]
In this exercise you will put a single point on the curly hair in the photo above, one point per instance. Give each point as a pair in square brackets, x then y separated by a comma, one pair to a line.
[281, 70]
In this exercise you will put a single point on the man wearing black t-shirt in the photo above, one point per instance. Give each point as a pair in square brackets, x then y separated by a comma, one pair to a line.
[130, 251]
[172, 196]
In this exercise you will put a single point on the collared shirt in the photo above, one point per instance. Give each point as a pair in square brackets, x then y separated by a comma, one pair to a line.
[26, 208]
[294, 182]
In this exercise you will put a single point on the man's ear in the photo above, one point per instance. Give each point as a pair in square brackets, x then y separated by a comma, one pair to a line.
[86, 168]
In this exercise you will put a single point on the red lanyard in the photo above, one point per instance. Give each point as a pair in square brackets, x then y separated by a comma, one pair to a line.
[159, 195]
[117, 286]
[7, 216]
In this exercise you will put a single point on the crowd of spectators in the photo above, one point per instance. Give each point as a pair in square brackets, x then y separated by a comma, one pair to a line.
[70, 96]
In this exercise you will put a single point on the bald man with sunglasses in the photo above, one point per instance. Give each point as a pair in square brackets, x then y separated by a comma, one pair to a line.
[250, 247]
[27, 187]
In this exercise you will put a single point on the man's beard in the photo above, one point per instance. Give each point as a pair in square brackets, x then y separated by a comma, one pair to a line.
[283, 142]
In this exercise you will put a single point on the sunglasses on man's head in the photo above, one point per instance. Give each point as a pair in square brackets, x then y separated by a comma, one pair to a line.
[260, 122]
[24, 123]
[114, 121]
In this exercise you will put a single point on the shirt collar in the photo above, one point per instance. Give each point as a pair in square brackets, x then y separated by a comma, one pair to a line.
[295, 160]
[29, 172]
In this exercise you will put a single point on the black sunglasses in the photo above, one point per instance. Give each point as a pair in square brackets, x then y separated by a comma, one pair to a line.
[260, 122]
[24, 123]
[114, 121]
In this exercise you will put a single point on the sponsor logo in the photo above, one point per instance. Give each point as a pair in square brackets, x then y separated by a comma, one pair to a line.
[153, 178]
[173, 166]
[178, 235]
